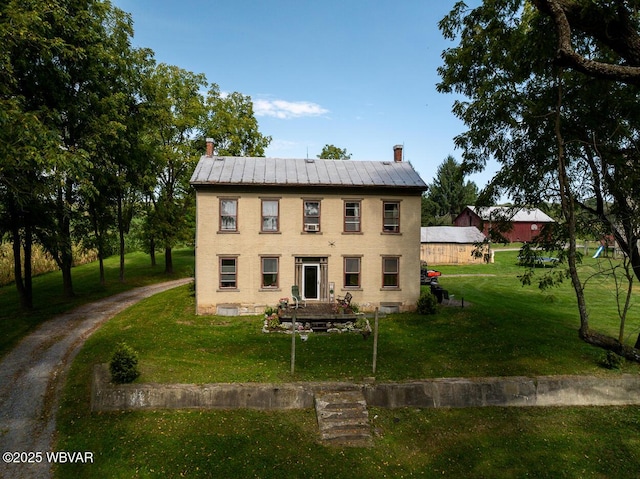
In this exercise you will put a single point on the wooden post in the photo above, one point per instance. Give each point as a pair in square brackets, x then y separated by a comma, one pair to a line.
[293, 341]
[375, 342]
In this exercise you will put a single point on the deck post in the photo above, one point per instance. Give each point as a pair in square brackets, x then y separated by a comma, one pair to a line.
[375, 341]
[293, 341]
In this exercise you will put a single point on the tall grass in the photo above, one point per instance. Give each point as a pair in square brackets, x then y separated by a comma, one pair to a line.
[41, 261]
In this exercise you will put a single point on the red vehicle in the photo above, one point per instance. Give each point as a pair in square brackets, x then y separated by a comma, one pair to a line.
[427, 275]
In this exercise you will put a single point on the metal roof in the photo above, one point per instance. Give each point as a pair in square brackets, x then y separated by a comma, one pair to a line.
[531, 215]
[232, 170]
[451, 234]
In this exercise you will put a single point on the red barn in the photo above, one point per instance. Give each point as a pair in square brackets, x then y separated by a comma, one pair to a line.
[526, 222]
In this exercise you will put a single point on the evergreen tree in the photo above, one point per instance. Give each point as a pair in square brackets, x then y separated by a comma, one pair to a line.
[447, 195]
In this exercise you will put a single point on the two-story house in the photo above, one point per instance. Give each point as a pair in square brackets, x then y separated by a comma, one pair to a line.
[328, 226]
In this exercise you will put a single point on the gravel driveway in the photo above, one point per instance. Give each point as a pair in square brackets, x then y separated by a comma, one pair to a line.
[33, 373]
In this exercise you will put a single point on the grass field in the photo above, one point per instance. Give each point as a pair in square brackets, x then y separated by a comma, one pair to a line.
[48, 300]
[506, 329]
[463, 443]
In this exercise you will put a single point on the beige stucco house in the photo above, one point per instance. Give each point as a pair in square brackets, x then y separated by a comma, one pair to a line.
[328, 226]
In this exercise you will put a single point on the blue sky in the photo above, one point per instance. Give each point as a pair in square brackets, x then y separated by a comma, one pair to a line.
[358, 74]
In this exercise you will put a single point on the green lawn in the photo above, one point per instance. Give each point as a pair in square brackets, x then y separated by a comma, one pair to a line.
[47, 290]
[463, 443]
[506, 329]
[519, 336]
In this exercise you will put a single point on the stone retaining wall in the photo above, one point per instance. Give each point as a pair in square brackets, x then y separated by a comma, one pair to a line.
[449, 392]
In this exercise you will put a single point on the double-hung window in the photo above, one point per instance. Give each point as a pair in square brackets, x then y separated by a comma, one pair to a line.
[270, 216]
[390, 272]
[270, 272]
[352, 216]
[311, 216]
[228, 273]
[391, 216]
[228, 214]
[352, 272]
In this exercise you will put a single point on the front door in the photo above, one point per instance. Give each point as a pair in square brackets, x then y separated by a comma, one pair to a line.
[311, 281]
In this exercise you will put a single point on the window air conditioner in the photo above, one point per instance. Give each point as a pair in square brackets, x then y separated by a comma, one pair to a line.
[311, 227]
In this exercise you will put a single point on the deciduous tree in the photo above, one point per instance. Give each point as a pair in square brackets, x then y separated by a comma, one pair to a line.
[332, 152]
[611, 25]
[558, 134]
[231, 123]
[67, 100]
[176, 111]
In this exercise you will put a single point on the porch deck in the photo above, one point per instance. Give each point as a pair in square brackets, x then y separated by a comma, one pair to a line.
[319, 315]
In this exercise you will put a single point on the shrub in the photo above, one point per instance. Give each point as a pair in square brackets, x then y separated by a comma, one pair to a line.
[361, 323]
[124, 364]
[427, 303]
[611, 360]
[273, 321]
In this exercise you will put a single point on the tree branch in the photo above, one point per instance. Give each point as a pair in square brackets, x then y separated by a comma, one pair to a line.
[625, 42]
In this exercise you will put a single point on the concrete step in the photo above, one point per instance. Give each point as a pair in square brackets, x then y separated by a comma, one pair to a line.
[343, 418]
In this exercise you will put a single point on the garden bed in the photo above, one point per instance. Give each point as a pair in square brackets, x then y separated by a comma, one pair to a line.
[315, 317]
[338, 324]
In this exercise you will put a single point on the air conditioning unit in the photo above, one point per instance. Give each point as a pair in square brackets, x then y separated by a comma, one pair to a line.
[311, 227]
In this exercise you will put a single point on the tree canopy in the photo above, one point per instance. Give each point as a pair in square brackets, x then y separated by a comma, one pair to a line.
[610, 25]
[560, 135]
[447, 195]
[232, 125]
[332, 152]
[92, 132]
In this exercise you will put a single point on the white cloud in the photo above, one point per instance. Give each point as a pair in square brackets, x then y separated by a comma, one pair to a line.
[284, 144]
[287, 109]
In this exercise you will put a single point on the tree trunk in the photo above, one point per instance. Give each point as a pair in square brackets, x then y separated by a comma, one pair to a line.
[627, 303]
[99, 243]
[611, 344]
[25, 303]
[168, 261]
[121, 235]
[152, 252]
[67, 282]
[28, 273]
[65, 260]
[568, 211]
[23, 283]
[102, 278]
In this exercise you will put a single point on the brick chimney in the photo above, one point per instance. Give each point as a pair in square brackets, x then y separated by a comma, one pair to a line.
[397, 153]
[209, 147]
